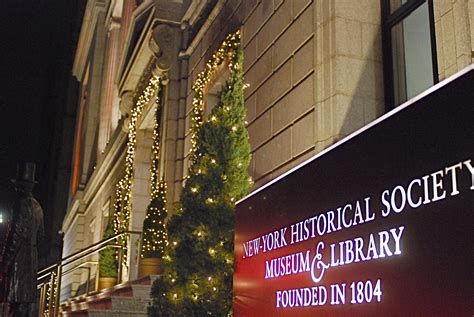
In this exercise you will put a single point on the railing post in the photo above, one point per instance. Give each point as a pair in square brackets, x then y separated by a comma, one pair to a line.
[139, 259]
[58, 289]
[119, 273]
[88, 280]
[51, 290]
[41, 300]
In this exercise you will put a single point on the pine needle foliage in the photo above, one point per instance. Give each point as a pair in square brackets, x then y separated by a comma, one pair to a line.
[108, 264]
[200, 256]
[154, 230]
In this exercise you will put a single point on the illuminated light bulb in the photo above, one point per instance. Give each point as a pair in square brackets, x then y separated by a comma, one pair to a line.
[213, 118]
[213, 161]
[212, 251]
[173, 280]
[210, 200]
[214, 289]
[209, 278]
[234, 128]
[194, 189]
[199, 234]
[175, 243]
[175, 295]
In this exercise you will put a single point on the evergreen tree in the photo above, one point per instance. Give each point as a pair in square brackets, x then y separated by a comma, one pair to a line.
[154, 231]
[200, 256]
[108, 264]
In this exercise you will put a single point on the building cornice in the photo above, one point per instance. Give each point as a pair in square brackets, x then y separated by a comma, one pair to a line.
[93, 9]
[207, 24]
[127, 78]
[75, 209]
[112, 157]
[82, 199]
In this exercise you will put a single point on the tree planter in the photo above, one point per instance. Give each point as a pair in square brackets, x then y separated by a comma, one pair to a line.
[107, 282]
[150, 266]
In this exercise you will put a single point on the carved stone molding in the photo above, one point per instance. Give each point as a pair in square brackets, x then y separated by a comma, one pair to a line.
[161, 44]
[126, 102]
[126, 125]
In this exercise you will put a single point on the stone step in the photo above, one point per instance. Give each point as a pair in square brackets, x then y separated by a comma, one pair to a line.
[113, 313]
[104, 313]
[142, 291]
[130, 297]
[129, 304]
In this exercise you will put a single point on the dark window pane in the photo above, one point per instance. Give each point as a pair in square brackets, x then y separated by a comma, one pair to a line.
[395, 4]
[411, 54]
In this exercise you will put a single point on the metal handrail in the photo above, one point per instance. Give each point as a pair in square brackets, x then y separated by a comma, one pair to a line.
[84, 267]
[92, 246]
[55, 270]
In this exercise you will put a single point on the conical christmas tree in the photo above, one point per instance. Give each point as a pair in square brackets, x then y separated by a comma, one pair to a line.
[154, 231]
[108, 264]
[200, 257]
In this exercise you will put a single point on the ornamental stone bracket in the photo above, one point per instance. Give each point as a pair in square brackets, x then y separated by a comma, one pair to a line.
[161, 44]
[125, 106]
[126, 102]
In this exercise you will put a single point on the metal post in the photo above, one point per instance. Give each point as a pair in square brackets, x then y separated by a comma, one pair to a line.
[42, 299]
[119, 273]
[139, 259]
[51, 289]
[58, 289]
[88, 279]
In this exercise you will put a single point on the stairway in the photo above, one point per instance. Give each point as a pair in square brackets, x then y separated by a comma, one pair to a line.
[129, 299]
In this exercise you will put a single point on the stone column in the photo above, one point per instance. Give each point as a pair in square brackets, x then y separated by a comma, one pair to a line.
[109, 89]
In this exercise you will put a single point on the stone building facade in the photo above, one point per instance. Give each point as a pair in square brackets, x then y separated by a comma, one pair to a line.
[317, 70]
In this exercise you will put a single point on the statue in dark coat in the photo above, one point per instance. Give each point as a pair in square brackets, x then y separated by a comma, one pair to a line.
[21, 252]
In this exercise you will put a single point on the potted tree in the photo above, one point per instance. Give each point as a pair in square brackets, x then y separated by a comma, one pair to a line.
[108, 264]
[154, 233]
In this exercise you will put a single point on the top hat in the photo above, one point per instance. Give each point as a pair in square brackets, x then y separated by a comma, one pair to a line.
[25, 172]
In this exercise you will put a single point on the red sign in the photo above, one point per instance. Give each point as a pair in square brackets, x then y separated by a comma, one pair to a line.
[379, 225]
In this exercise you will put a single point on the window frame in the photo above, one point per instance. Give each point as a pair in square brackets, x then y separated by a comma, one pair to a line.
[389, 20]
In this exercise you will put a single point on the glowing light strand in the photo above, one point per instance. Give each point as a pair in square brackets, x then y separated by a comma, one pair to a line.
[226, 52]
[154, 230]
[202, 290]
[123, 204]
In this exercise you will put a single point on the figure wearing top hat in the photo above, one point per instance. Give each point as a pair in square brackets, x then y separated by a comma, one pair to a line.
[21, 253]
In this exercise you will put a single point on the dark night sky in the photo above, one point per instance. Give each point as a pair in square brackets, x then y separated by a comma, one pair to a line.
[36, 49]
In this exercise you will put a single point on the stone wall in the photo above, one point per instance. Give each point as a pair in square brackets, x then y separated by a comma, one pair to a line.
[314, 70]
[454, 26]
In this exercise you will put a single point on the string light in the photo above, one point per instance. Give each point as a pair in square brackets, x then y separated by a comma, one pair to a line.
[226, 52]
[122, 204]
[205, 167]
[155, 236]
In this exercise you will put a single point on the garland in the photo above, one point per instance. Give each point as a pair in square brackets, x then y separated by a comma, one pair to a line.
[227, 51]
[154, 230]
[123, 204]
